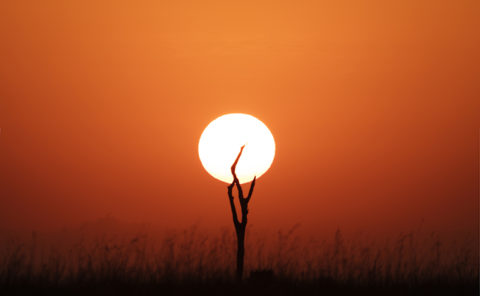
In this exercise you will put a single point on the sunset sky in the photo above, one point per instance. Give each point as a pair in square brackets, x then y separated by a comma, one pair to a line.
[374, 106]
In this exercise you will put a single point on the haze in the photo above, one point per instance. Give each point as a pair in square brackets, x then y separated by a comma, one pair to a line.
[375, 111]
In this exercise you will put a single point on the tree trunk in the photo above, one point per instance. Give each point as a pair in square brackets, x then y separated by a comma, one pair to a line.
[240, 251]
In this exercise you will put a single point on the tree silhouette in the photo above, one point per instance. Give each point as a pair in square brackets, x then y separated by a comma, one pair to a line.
[240, 225]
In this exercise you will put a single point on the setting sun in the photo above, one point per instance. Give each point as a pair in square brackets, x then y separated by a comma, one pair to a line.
[221, 141]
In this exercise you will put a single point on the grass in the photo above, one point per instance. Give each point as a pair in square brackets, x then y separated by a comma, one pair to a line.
[191, 261]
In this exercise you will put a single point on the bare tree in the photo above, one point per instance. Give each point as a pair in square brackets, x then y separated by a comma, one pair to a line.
[242, 224]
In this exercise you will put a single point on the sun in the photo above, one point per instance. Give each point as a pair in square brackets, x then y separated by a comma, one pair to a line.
[222, 139]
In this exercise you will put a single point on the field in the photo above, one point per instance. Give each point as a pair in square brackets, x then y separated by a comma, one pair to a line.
[194, 262]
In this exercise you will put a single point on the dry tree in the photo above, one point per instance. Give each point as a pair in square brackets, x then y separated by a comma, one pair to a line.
[240, 225]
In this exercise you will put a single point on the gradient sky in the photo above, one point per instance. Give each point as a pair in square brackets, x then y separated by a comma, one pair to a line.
[374, 106]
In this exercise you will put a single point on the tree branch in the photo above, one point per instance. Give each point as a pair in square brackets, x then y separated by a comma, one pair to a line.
[236, 182]
[250, 192]
[235, 179]
[232, 206]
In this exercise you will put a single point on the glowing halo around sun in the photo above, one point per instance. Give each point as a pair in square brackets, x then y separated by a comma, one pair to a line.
[222, 139]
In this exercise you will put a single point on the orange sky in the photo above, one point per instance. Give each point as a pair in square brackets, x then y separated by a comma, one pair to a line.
[374, 106]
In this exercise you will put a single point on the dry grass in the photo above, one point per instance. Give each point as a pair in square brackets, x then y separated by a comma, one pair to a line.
[191, 256]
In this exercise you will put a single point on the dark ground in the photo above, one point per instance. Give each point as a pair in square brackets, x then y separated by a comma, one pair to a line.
[272, 286]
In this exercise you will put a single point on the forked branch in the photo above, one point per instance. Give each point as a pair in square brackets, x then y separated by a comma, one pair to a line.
[243, 201]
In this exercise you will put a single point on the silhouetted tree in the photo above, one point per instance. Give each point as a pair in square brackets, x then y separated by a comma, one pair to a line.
[242, 224]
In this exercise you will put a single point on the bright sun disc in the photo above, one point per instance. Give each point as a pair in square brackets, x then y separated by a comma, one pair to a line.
[222, 139]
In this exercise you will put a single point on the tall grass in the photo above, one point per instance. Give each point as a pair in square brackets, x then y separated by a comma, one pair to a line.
[408, 259]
